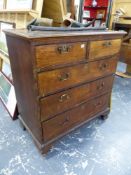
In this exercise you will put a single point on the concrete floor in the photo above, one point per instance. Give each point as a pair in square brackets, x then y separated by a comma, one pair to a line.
[97, 148]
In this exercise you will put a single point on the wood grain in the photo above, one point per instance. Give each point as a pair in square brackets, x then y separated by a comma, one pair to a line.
[126, 53]
[51, 55]
[70, 119]
[72, 91]
[24, 83]
[60, 102]
[59, 79]
[99, 49]
[45, 37]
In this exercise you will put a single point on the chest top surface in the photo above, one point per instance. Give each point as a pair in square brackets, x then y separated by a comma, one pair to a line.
[39, 35]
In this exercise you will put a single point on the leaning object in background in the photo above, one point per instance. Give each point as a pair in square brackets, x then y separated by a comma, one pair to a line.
[126, 51]
[56, 10]
[67, 78]
[125, 55]
[7, 96]
[7, 92]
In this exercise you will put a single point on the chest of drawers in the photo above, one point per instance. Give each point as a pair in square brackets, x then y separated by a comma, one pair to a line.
[62, 79]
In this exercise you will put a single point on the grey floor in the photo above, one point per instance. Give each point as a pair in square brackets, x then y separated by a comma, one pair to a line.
[97, 148]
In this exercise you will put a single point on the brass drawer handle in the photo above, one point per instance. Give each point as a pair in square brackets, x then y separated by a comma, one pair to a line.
[64, 77]
[103, 66]
[107, 44]
[67, 119]
[64, 97]
[101, 86]
[64, 49]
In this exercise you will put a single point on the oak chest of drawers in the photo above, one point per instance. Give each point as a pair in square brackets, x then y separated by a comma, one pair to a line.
[62, 79]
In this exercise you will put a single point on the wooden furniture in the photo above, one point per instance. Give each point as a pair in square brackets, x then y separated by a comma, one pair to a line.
[126, 47]
[62, 79]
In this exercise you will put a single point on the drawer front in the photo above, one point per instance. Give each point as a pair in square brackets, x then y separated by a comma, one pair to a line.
[60, 102]
[104, 48]
[52, 55]
[59, 79]
[62, 123]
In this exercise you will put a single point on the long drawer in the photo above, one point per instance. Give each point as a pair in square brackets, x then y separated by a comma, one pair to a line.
[99, 49]
[62, 123]
[53, 55]
[60, 102]
[59, 79]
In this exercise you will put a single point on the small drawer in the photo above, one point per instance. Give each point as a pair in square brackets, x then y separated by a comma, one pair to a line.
[62, 123]
[60, 102]
[53, 55]
[60, 79]
[99, 49]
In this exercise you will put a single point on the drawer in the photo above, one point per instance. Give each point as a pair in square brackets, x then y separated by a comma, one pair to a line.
[62, 123]
[99, 49]
[53, 55]
[60, 102]
[59, 79]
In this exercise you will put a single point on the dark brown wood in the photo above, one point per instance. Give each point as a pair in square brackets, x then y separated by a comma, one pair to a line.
[47, 146]
[51, 55]
[23, 78]
[40, 37]
[58, 88]
[60, 124]
[126, 17]
[104, 48]
[74, 75]
[121, 26]
[126, 45]
[60, 102]
[126, 52]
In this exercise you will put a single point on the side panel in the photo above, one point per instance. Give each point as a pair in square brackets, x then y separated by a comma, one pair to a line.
[22, 69]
